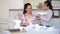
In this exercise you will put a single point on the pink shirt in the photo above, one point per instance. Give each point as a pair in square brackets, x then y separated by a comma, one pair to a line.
[22, 17]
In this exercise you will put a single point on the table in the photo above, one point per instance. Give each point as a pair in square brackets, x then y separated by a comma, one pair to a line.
[36, 32]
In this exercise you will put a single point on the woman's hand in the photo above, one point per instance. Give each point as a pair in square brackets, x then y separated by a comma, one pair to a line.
[38, 16]
[24, 24]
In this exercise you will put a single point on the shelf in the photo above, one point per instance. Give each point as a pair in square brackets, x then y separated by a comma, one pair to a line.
[56, 4]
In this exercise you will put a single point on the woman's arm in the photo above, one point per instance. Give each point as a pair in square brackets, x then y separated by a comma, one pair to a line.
[23, 23]
[20, 17]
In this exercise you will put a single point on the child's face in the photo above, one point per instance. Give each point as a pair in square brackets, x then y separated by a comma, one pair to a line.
[45, 7]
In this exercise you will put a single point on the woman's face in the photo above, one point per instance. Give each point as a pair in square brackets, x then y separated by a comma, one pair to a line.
[45, 7]
[29, 9]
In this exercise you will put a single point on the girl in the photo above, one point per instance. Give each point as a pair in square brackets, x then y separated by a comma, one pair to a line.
[46, 18]
[27, 17]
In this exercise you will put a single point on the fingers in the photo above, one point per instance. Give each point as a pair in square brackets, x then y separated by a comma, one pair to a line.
[38, 16]
[24, 24]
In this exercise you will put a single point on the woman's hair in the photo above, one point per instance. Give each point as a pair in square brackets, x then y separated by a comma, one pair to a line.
[48, 3]
[25, 7]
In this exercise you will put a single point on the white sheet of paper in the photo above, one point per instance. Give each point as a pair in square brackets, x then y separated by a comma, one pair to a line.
[17, 25]
[41, 13]
[50, 29]
[32, 27]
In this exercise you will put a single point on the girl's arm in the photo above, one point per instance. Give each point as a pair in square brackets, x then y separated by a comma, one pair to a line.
[47, 17]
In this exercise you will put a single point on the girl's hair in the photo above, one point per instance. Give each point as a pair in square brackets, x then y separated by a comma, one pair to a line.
[25, 7]
[48, 3]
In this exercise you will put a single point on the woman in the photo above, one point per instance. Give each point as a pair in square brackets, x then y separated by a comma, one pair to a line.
[27, 17]
[46, 18]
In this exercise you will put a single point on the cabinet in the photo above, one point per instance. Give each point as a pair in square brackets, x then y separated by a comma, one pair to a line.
[56, 4]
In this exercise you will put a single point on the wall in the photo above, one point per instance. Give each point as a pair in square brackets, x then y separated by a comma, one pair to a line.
[4, 6]
[16, 4]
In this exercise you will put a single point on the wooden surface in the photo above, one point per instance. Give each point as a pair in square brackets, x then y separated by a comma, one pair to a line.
[18, 32]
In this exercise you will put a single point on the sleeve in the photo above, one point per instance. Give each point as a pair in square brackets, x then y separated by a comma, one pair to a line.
[34, 20]
[47, 17]
[20, 17]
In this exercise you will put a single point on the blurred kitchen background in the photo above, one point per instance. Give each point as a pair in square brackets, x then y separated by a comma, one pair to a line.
[11, 9]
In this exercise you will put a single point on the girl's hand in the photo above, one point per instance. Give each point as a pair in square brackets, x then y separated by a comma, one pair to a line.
[24, 24]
